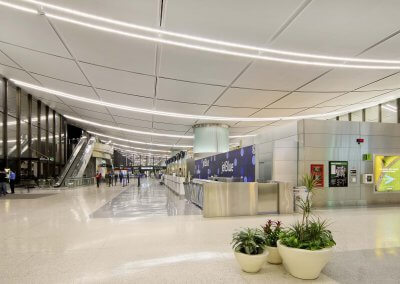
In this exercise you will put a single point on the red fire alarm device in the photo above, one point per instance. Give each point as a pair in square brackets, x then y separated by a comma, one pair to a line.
[360, 140]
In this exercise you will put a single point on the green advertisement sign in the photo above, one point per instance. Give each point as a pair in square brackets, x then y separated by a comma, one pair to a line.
[338, 173]
[387, 173]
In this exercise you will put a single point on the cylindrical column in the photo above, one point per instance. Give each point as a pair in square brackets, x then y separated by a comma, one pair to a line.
[5, 115]
[18, 133]
[210, 139]
[29, 134]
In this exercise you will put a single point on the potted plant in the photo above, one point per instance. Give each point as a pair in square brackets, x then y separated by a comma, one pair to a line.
[272, 231]
[307, 246]
[249, 249]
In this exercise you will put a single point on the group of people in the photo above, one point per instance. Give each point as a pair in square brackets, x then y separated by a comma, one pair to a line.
[7, 179]
[112, 178]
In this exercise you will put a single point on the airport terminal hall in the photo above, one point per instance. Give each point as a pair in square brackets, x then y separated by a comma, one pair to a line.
[199, 141]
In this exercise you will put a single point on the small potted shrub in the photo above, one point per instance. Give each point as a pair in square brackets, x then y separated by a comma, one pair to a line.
[306, 246]
[272, 231]
[249, 249]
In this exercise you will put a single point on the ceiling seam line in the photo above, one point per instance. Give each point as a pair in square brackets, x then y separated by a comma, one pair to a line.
[64, 43]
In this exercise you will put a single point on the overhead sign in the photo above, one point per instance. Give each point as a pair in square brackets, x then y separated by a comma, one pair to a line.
[237, 163]
[338, 173]
[387, 173]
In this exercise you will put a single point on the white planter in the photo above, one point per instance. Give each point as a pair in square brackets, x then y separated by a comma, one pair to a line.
[251, 263]
[273, 255]
[304, 264]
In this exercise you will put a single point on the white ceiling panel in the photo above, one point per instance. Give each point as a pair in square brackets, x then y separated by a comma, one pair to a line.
[53, 66]
[321, 110]
[94, 116]
[228, 111]
[391, 82]
[350, 98]
[83, 105]
[300, 100]
[127, 100]
[120, 81]
[238, 21]
[142, 12]
[342, 80]
[130, 114]
[199, 66]
[14, 73]
[278, 76]
[173, 120]
[171, 127]
[235, 97]
[109, 49]
[30, 31]
[241, 130]
[132, 122]
[6, 61]
[180, 107]
[340, 27]
[250, 123]
[66, 87]
[187, 92]
[276, 112]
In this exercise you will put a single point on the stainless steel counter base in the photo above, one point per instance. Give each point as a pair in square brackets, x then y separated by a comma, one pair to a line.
[223, 199]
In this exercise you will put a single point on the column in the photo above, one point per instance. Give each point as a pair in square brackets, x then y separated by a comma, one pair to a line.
[39, 138]
[54, 152]
[60, 153]
[398, 110]
[18, 134]
[210, 139]
[5, 114]
[29, 134]
[46, 145]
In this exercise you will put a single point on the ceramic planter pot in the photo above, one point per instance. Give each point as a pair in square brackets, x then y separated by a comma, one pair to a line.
[251, 263]
[304, 264]
[273, 255]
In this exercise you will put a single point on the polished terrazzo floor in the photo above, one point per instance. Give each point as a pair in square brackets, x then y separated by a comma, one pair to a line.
[54, 239]
[150, 199]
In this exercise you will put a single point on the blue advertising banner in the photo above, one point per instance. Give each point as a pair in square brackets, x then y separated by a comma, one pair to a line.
[237, 163]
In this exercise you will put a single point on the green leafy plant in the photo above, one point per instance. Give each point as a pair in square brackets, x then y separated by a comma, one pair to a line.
[310, 234]
[249, 241]
[272, 230]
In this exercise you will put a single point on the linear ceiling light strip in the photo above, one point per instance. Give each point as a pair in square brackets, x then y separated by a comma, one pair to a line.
[189, 116]
[139, 142]
[137, 148]
[206, 40]
[205, 48]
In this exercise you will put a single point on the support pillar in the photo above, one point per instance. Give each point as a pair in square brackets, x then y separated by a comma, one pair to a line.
[39, 139]
[210, 139]
[5, 118]
[18, 133]
[29, 134]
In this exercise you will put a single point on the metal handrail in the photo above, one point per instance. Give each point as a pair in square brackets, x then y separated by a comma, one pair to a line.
[74, 182]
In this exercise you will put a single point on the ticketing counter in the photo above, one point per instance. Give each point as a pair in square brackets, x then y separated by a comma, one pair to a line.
[175, 183]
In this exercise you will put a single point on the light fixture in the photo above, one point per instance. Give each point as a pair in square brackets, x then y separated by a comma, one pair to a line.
[200, 117]
[127, 130]
[137, 148]
[203, 48]
[206, 40]
[139, 142]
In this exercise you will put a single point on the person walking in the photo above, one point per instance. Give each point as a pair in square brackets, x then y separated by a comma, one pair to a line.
[127, 175]
[120, 176]
[3, 182]
[98, 179]
[11, 178]
[115, 178]
[110, 179]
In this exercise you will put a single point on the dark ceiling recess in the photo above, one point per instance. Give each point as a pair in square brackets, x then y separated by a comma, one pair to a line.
[161, 12]
[74, 132]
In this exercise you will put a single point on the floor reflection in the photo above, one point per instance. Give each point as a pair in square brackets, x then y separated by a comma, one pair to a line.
[150, 199]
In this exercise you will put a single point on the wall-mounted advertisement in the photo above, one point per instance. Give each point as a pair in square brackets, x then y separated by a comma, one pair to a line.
[387, 173]
[237, 163]
[338, 173]
[317, 170]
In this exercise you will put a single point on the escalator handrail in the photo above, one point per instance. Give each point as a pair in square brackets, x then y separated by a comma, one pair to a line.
[70, 161]
[83, 157]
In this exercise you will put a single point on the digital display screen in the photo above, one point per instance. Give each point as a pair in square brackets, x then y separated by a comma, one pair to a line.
[387, 173]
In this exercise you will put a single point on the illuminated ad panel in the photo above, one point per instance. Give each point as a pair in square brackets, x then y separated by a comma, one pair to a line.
[237, 163]
[387, 173]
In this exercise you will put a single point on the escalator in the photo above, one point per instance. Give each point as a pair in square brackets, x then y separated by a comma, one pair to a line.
[76, 164]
